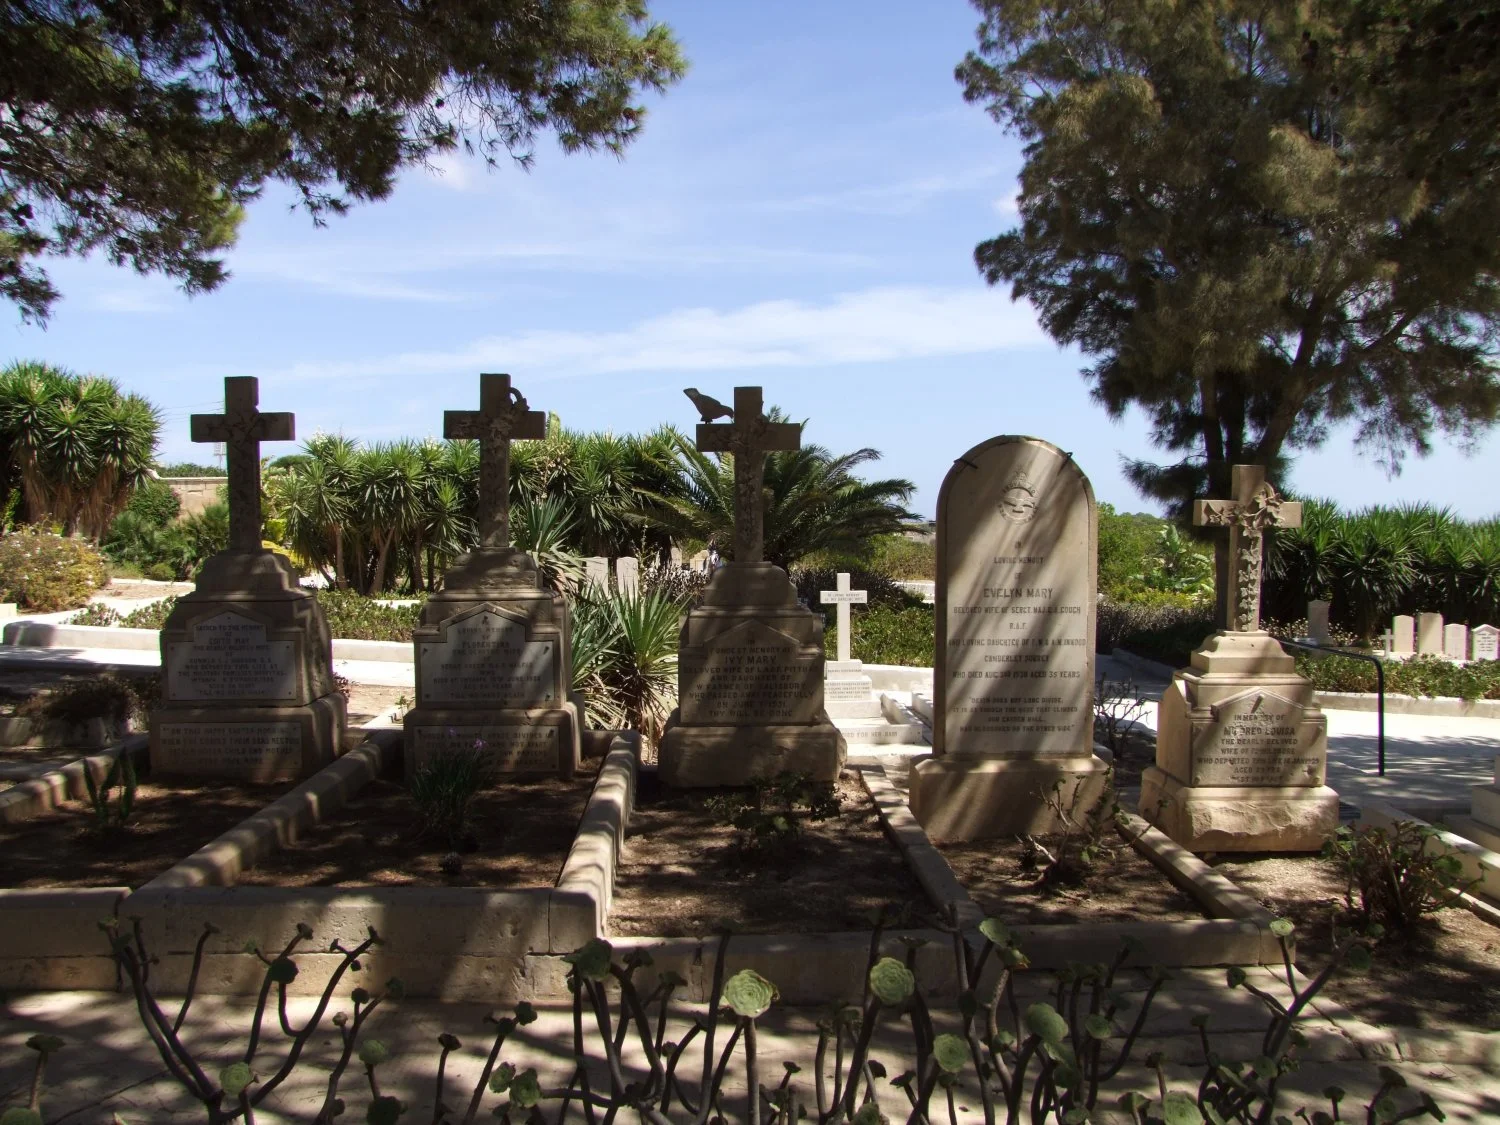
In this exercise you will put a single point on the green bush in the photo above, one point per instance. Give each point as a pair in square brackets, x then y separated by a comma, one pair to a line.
[1397, 877]
[883, 590]
[881, 635]
[1421, 675]
[904, 559]
[1159, 626]
[188, 469]
[767, 817]
[153, 615]
[45, 572]
[355, 617]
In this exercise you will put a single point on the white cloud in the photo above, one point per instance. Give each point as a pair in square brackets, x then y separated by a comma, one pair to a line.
[898, 198]
[132, 300]
[873, 325]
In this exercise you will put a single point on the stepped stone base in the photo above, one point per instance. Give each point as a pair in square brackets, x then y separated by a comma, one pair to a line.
[1239, 818]
[699, 756]
[980, 798]
[546, 741]
[248, 743]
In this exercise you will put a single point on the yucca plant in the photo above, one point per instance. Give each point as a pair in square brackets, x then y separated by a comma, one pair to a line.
[111, 819]
[625, 658]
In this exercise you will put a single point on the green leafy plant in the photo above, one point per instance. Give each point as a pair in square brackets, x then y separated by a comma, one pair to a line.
[441, 789]
[768, 816]
[110, 820]
[625, 658]
[46, 572]
[1400, 874]
[356, 617]
[152, 615]
[882, 635]
[1161, 626]
[96, 614]
[1087, 833]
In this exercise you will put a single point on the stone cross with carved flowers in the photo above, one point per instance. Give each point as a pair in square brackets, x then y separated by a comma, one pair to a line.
[1255, 507]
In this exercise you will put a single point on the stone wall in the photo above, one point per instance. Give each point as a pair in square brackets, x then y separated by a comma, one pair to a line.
[195, 493]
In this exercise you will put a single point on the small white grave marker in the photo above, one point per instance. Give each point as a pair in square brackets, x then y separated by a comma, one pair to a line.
[1484, 643]
[1403, 633]
[1456, 641]
[843, 597]
[1317, 622]
[1430, 634]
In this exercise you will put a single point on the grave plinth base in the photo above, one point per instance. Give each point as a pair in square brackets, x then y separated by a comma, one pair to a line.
[545, 740]
[247, 743]
[980, 798]
[698, 756]
[1239, 818]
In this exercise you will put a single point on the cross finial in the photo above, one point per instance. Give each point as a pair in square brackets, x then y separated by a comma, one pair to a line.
[748, 439]
[1255, 507]
[502, 417]
[242, 427]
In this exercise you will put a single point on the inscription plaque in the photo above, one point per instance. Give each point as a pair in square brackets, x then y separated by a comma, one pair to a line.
[1258, 739]
[507, 749]
[483, 657]
[1485, 640]
[255, 751]
[230, 658]
[1016, 616]
[844, 691]
[748, 675]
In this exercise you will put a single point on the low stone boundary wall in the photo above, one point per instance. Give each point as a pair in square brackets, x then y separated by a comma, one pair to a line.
[1410, 704]
[26, 799]
[47, 634]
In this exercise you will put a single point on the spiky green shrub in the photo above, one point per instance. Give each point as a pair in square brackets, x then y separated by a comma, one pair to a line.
[111, 819]
[625, 658]
[441, 789]
[45, 572]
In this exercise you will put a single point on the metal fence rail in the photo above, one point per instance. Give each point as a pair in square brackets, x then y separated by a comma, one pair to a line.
[1332, 650]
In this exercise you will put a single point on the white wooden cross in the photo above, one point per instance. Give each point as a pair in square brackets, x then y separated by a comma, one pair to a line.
[241, 428]
[844, 597]
[502, 417]
[1255, 507]
[1388, 642]
[749, 438]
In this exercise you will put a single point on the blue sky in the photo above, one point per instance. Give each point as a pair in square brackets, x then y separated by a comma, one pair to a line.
[800, 212]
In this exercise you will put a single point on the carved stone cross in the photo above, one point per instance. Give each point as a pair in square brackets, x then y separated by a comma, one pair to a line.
[843, 597]
[242, 427]
[1255, 507]
[749, 438]
[502, 418]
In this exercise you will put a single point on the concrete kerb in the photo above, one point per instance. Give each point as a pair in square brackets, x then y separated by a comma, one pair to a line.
[1236, 933]
[1449, 706]
[27, 799]
[49, 634]
[585, 889]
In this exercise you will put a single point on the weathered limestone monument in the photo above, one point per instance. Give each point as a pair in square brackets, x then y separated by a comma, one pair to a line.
[1241, 747]
[1017, 566]
[246, 658]
[493, 663]
[750, 661]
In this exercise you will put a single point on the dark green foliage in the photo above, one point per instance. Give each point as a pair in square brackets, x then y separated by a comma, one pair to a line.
[190, 469]
[1166, 628]
[1399, 874]
[78, 701]
[1421, 675]
[73, 447]
[1378, 562]
[881, 635]
[110, 820]
[901, 557]
[153, 615]
[141, 130]
[767, 817]
[625, 658]
[1224, 209]
[155, 502]
[441, 789]
[353, 616]
[882, 589]
[45, 572]
[172, 551]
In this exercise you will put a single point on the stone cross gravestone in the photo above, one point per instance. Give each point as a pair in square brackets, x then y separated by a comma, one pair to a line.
[1484, 643]
[750, 658]
[1430, 634]
[247, 659]
[1017, 570]
[627, 574]
[1317, 622]
[1242, 746]
[1456, 641]
[843, 597]
[493, 658]
[847, 692]
[1403, 634]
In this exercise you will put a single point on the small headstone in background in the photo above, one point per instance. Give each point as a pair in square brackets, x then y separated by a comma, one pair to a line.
[1430, 634]
[1403, 633]
[596, 572]
[674, 557]
[627, 574]
[1456, 641]
[1317, 621]
[7, 610]
[1484, 643]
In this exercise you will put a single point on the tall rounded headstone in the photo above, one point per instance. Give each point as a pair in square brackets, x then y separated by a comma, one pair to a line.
[1017, 562]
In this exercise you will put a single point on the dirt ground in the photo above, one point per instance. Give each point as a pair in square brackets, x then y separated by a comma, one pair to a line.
[1124, 887]
[366, 701]
[1446, 974]
[682, 875]
[521, 828]
[57, 848]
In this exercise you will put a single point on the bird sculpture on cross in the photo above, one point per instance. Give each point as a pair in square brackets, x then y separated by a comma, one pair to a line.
[751, 436]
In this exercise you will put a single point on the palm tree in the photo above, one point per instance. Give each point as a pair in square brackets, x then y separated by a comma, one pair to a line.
[813, 501]
[74, 445]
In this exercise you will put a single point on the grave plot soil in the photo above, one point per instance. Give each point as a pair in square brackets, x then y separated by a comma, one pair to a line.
[367, 701]
[682, 876]
[1445, 975]
[56, 848]
[1124, 887]
[522, 828]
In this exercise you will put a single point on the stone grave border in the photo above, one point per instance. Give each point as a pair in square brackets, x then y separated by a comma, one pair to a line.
[26, 799]
[1478, 861]
[473, 944]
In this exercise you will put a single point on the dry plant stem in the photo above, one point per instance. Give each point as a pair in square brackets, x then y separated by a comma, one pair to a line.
[503, 1027]
[209, 929]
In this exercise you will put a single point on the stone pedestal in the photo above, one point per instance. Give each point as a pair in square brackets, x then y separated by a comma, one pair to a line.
[494, 669]
[1241, 753]
[750, 686]
[982, 798]
[847, 692]
[247, 676]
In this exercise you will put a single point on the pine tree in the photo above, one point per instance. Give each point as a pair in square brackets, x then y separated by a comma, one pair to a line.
[140, 128]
